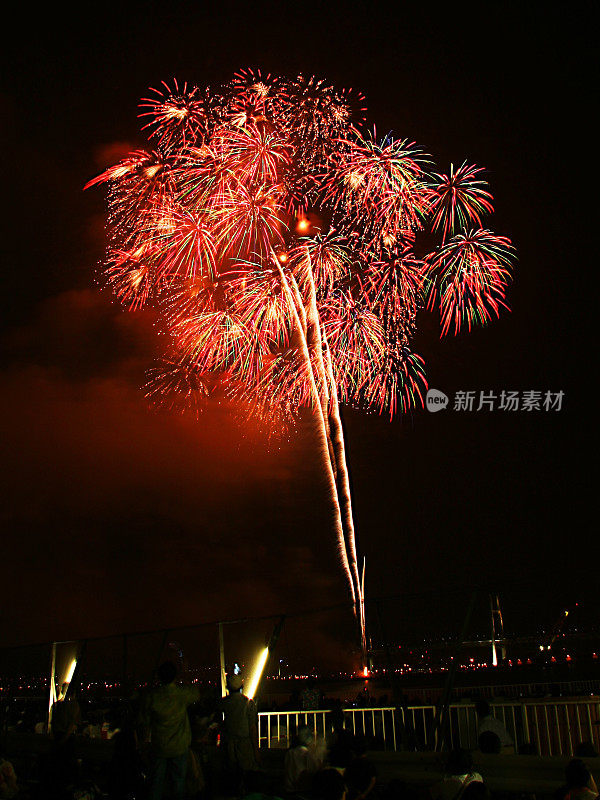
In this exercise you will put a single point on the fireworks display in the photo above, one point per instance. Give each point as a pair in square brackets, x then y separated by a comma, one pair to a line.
[278, 240]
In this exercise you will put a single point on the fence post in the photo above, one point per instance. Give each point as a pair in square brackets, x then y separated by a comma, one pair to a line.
[439, 722]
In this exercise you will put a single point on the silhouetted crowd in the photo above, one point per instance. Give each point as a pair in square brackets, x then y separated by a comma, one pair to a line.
[170, 741]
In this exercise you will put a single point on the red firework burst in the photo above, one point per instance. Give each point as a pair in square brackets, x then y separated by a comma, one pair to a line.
[278, 243]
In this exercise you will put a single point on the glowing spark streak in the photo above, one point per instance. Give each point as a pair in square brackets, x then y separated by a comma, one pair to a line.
[335, 437]
[312, 332]
[323, 434]
[343, 483]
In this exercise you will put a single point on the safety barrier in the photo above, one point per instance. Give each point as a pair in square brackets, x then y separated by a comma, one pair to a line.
[551, 727]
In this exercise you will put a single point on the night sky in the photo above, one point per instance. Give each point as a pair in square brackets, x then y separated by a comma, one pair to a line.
[119, 518]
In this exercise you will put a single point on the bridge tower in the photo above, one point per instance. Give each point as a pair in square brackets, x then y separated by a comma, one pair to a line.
[498, 641]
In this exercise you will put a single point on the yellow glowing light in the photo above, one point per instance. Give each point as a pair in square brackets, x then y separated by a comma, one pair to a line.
[240, 119]
[121, 171]
[260, 88]
[70, 671]
[258, 670]
[165, 225]
[354, 179]
[303, 224]
[340, 112]
[174, 112]
[282, 257]
[136, 276]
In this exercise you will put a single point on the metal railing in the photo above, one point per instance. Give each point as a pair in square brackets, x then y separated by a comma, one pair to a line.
[552, 727]
[515, 691]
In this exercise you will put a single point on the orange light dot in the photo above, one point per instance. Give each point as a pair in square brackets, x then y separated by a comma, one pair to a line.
[282, 257]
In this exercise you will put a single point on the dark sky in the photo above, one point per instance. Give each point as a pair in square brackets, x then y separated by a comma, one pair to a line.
[119, 518]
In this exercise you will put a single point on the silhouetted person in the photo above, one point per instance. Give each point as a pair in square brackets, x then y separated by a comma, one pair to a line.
[205, 731]
[476, 790]
[61, 771]
[164, 721]
[301, 763]
[240, 729]
[486, 721]
[459, 774]
[580, 784]
[360, 774]
[126, 769]
[8, 780]
[341, 747]
[489, 742]
[329, 784]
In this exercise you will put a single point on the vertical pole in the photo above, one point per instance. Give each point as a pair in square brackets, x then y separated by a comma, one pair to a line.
[363, 639]
[493, 617]
[439, 724]
[52, 698]
[124, 660]
[222, 661]
[407, 734]
[159, 656]
[497, 630]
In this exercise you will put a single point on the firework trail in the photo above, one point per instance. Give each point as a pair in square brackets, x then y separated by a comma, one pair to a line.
[214, 225]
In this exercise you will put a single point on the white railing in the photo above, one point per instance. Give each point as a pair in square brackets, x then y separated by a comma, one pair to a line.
[552, 727]
[516, 691]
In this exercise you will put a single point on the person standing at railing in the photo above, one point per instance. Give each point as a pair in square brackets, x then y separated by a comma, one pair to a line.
[341, 741]
[240, 730]
[164, 725]
[487, 722]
